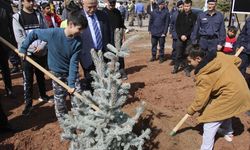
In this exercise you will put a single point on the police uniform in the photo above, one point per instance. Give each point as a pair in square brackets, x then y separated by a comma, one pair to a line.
[244, 40]
[158, 27]
[209, 30]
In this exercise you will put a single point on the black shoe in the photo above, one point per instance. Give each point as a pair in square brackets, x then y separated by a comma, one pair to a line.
[187, 72]
[27, 111]
[123, 74]
[10, 94]
[44, 98]
[172, 63]
[15, 69]
[175, 70]
[152, 59]
[161, 60]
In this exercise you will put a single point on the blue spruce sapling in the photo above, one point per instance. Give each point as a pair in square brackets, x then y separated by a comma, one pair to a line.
[110, 128]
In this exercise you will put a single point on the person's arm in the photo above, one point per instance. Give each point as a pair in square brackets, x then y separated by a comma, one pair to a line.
[171, 24]
[42, 34]
[222, 33]
[150, 22]
[58, 20]
[194, 18]
[167, 22]
[203, 91]
[73, 67]
[195, 34]
[178, 25]
[241, 40]
[18, 30]
[136, 8]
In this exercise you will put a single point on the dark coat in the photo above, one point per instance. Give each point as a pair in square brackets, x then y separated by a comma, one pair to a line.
[159, 22]
[244, 37]
[88, 44]
[6, 30]
[185, 24]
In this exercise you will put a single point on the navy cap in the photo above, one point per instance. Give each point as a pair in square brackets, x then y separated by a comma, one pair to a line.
[211, 1]
[160, 2]
[179, 3]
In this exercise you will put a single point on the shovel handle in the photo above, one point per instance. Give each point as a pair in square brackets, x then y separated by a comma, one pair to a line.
[179, 124]
[49, 74]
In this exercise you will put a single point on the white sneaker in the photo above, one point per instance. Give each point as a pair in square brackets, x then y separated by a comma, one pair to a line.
[227, 137]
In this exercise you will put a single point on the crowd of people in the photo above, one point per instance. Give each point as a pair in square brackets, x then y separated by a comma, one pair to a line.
[59, 43]
[200, 42]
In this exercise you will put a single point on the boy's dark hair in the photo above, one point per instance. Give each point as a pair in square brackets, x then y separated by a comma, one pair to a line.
[78, 19]
[196, 51]
[232, 29]
[44, 5]
[188, 2]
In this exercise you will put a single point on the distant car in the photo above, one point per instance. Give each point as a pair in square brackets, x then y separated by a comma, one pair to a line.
[197, 11]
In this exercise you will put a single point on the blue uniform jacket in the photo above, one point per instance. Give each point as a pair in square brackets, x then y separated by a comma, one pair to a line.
[244, 37]
[207, 25]
[158, 22]
[172, 25]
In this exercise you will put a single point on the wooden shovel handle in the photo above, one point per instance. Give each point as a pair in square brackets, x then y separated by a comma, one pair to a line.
[179, 124]
[239, 51]
[50, 74]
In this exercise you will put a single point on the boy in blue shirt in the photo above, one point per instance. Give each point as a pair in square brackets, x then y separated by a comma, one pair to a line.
[64, 46]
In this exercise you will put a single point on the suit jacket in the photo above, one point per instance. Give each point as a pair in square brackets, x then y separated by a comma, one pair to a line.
[88, 44]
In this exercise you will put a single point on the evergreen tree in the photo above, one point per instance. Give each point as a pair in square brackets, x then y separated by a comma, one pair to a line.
[110, 128]
[224, 6]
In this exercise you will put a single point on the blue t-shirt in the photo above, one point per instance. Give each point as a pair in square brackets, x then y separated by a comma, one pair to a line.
[63, 52]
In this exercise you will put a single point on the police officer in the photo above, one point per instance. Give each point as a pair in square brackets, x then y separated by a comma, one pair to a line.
[244, 40]
[158, 28]
[209, 31]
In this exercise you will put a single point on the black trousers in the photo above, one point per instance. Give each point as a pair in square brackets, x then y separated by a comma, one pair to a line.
[14, 59]
[181, 52]
[4, 56]
[88, 77]
[154, 41]
[3, 117]
[28, 72]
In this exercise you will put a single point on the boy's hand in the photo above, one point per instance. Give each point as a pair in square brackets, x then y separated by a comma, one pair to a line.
[219, 47]
[71, 91]
[183, 38]
[22, 55]
[37, 50]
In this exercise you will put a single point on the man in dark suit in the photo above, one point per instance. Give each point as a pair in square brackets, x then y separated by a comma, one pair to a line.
[96, 36]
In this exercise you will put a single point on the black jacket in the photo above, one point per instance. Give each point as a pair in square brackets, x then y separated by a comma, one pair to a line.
[185, 24]
[6, 30]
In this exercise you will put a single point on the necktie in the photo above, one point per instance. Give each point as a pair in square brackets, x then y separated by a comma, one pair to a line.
[97, 33]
